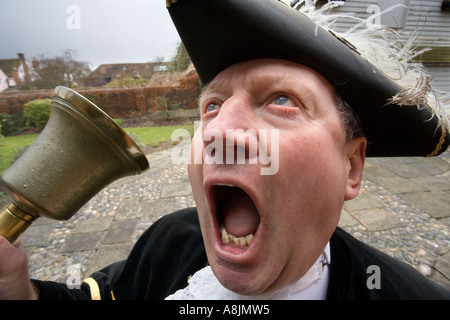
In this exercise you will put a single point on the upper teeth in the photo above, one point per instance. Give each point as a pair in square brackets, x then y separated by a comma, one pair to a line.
[240, 241]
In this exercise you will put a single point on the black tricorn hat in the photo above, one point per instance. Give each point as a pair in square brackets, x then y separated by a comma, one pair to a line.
[220, 33]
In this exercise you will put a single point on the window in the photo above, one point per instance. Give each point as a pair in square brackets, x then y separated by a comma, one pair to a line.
[396, 17]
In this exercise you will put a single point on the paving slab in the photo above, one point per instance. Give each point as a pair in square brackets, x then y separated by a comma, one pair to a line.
[161, 161]
[409, 170]
[93, 225]
[377, 219]
[109, 254]
[435, 203]
[436, 165]
[371, 171]
[158, 206]
[347, 219]
[396, 184]
[120, 231]
[433, 183]
[82, 241]
[129, 209]
[176, 189]
[363, 202]
[36, 234]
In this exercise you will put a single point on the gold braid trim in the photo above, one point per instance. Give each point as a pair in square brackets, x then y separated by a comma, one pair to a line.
[441, 142]
[95, 290]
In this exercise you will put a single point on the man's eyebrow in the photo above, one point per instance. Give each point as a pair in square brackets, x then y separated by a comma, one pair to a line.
[210, 88]
[285, 82]
[214, 85]
[264, 81]
[259, 82]
[207, 89]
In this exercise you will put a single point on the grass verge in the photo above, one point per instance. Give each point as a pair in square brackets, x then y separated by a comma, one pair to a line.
[11, 147]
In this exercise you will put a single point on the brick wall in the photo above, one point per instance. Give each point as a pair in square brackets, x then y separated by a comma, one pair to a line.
[126, 103]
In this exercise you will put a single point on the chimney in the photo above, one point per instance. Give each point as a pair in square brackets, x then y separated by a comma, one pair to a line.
[15, 74]
[26, 69]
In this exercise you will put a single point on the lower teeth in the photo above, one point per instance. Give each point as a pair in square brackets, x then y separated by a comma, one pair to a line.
[240, 241]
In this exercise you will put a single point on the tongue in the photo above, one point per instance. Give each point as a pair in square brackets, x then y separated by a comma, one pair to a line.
[240, 215]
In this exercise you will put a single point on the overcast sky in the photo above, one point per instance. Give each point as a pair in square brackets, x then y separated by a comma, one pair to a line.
[101, 31]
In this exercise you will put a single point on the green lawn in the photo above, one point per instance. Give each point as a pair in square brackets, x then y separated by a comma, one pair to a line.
[10, 146]
[153, 136]
[144, 136]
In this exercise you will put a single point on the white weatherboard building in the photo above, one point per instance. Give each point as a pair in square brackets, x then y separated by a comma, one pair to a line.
[427, 20]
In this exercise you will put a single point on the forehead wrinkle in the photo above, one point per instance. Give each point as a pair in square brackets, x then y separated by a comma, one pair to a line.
[217, 84]
[256, 82]
[285, 82]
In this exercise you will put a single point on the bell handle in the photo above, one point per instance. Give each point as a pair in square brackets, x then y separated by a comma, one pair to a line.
[13, 222]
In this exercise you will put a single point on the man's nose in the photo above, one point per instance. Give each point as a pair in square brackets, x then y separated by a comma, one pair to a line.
[235, 113]
[231, 136]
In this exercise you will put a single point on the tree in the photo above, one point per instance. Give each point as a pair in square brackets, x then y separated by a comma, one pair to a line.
[64, 70]
[181, 60]
[127, 82]
[168, 110]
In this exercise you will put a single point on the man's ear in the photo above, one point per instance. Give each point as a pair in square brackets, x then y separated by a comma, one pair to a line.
[356, 155]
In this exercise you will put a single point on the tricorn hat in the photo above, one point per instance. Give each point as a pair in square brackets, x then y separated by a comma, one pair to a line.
[220, 33]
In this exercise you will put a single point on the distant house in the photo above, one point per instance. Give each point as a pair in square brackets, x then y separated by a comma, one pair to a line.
[3, 81]
[106, 73]
[15, 73]
[428, 20]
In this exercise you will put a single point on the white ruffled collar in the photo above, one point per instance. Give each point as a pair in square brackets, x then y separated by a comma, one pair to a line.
[203, 285]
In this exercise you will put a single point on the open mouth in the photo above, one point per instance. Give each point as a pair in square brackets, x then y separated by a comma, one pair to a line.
[237, 215]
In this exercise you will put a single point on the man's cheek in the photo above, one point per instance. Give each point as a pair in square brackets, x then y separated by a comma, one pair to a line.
[197, 148]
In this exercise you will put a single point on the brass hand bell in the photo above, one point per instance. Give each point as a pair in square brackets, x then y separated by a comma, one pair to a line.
[80, 151]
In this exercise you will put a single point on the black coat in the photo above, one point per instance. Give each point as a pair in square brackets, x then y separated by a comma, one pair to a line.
[172, 249]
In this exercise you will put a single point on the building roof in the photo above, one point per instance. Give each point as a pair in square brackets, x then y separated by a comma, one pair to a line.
[8, 65]
[107, 72]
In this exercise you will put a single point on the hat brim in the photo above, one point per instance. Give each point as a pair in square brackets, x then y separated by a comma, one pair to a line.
[218, 34]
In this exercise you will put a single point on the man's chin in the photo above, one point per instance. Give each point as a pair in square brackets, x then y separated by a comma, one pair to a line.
[241, 282]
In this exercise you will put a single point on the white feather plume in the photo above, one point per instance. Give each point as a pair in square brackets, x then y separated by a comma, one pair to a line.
[384, 48]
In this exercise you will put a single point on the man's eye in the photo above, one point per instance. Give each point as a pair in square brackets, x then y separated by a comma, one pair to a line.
[284, 101]
[212, 107]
